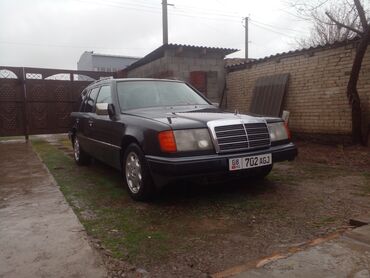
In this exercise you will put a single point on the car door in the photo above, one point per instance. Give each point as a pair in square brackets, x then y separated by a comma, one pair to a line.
[81, 119]
[87, 120]
[103, 131]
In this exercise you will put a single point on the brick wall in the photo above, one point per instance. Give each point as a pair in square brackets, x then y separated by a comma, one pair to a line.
[316, 96]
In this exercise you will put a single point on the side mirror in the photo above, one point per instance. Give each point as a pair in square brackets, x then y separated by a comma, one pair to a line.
[102, 109]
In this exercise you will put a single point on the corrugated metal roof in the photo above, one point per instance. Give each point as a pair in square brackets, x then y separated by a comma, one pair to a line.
[223, 50]
[292, 53]
[159, 52]
[235, 61]
[115, 56]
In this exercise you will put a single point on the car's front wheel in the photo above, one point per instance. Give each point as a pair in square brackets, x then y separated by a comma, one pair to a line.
[136, 174]
[80, 156]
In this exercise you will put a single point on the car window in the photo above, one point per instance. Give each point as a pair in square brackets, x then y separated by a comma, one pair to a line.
[82, 99]
[104, 95]
[90, 101]
[140, 94]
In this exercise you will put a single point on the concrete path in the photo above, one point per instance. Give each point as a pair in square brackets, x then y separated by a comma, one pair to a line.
[347, 256]
[40, 236]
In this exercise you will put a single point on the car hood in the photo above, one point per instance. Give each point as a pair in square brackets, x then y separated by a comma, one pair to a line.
[192, 116]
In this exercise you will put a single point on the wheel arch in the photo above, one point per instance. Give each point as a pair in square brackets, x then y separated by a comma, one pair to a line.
[125, 142]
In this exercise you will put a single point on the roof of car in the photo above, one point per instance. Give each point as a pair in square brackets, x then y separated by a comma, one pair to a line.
[146, 79]
[109, 80]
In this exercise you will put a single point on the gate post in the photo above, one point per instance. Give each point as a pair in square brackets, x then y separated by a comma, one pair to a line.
[25, 120]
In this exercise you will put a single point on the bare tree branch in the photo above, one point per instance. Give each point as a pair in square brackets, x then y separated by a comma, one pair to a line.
[319, 5]
[361, 14]
[343, 25]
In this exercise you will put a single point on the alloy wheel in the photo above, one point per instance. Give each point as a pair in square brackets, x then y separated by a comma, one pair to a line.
[133, 172]
[76, 149]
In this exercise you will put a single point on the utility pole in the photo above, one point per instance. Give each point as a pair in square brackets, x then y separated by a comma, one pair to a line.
[164, 22]
[246, 37]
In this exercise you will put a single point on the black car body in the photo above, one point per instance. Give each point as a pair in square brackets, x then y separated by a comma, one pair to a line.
[176, 137]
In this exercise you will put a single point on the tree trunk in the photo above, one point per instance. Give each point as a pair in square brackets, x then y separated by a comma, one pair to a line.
[352, 92]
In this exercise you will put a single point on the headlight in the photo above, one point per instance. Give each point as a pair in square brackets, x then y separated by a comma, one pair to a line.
[278, 131]
[192, 140]
[185, 140]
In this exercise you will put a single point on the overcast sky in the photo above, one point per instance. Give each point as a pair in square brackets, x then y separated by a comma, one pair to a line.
[54, 33]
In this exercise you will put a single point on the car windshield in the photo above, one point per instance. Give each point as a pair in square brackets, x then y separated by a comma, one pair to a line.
[141, 94]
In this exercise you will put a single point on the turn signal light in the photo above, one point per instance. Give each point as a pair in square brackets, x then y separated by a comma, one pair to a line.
[167, 141]
[287, 130]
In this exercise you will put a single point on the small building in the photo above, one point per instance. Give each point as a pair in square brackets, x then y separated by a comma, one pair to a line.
[203, 67]
[104, 62]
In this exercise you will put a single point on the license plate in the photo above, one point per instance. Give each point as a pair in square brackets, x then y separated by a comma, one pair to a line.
[249, 162]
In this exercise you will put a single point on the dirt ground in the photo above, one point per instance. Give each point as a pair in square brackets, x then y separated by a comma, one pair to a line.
[195, 230]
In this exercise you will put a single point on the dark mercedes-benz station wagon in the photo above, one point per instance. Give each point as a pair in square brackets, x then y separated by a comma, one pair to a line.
[157, 131]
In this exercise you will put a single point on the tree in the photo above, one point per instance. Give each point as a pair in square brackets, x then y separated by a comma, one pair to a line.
[351, 21]
[323, 31]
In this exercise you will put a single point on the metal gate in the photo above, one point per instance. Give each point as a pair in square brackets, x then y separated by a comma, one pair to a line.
[39, 101]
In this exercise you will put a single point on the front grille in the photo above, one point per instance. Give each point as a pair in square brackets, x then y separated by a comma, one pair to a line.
[258, 135]
[241, 137]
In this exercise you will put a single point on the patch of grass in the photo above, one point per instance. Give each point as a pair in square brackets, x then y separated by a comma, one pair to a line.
[320, 171]
[121, 228]
[6, 138]
[366, 187]
[205, 225]
[324, 221]
[303, 171]
[154, 231]
[362, 189]
[66, 142]
[284, 173]
[366, 175]
[286, 178]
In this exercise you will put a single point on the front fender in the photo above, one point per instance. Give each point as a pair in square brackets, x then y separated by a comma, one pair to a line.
[145, 132]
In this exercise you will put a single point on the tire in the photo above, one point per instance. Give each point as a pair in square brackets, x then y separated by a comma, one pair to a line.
[136, 175]
[80, 156]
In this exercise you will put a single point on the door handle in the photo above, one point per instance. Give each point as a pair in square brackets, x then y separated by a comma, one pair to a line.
[90, 122]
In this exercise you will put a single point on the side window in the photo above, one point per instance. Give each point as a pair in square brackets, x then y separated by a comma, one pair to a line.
[82, 100]
[104, 95]
[90, 101]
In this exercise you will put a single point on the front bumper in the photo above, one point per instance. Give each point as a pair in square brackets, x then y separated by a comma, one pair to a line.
[165, 169]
